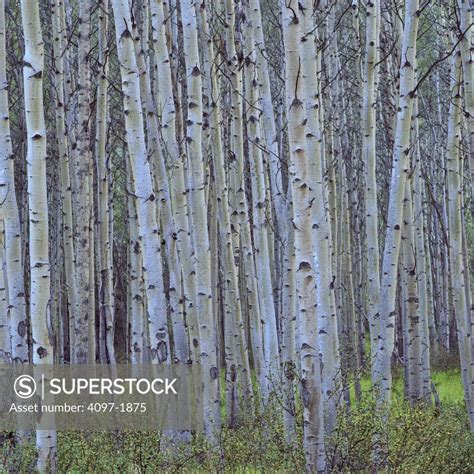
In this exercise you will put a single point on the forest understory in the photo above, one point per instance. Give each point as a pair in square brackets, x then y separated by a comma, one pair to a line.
[276, 192]
[418, 439]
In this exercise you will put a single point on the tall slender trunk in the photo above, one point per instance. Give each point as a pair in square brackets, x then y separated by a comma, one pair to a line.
[270, 141]
[198, 207]
[369, 157]
[321, 226]
[166, 105]
[136, 291]
[261, 209]
[413, 323]
[5, 346]
[104, 198]
[62, 143]
[237, 355]
[423, 275]
[303, 202]
[41, 329]
[83, 338]
[144, 195]
[381, 373]
[467, 55]
[15, 288]
[163, 192]
[456, 224]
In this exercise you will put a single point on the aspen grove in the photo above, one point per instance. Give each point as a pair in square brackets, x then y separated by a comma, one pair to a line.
[278, 191]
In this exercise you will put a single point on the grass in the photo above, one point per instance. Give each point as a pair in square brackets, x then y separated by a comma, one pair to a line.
[448, 385]
[417, 439]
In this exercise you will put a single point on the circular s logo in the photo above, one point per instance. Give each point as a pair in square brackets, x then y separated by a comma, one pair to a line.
[25, 386]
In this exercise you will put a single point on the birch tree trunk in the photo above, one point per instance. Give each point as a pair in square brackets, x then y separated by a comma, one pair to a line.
[198, 207]
[104, 198]
[5, 346]
[83, 345]
[14, 271]
[237, 354]
[381, 374]
[261, 214]
[370, 190]
[62, 143]
[137, 296]
[149, 234]
[456, 260]
[162, 188]
[413, 330]
[303, 199]
[230, 291]
[270, 142]
[166, 105]
[41, 328]
[321, 227]
[467, 55]
[423, 272]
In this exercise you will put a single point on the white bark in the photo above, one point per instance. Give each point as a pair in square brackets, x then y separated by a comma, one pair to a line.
[83, 337]
[236, 344]
[62, 143]
[321, 225]
[163, 194]
[15, 290]
[423, 274]
[149, 234]
[369, 155]
[303, 198]
[261, 210]
[104, 197]
[413, 327]
[168, 128]
[136, 290]
[5, 347]
[381, 373]
[456, 261]
[198, 207]
[467, 55]
[270, 142]
[41, 329]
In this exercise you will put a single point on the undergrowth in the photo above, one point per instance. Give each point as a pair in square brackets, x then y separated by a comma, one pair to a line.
[420, 439]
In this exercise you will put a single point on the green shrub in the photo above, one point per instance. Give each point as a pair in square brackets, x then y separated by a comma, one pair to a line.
[412, 439]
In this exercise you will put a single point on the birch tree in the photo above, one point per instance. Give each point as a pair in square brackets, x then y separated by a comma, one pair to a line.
[165, 102]
[303, 198]
[84, 320]
[14, 271]
[198, 208]
[263, 263]
[40, 317]
[5, 347]
[62, 143]
[104, 201]
[370, 190]
[422, 261]
[321, 225]
[149, 235]
[467, 52]
[236, 352]
[381, 373]
[456, 261]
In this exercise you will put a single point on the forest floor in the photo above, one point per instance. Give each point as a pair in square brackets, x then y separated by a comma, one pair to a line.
[447, 383]
[434, 439]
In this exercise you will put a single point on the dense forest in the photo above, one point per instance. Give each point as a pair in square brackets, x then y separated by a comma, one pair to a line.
[279, 191]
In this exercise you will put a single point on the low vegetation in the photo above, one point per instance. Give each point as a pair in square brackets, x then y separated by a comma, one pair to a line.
[419, 439]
